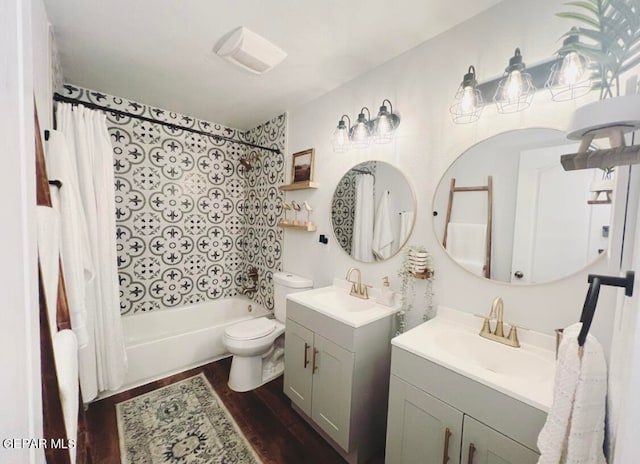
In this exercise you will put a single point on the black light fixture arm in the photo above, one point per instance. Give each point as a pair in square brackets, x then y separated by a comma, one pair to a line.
[75, 101]
[341, 122]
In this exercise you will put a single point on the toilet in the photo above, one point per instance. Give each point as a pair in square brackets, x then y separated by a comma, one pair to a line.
[257, 345]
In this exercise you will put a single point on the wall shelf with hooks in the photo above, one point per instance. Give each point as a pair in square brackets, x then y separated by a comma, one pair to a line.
[307, 227]
[299, 186]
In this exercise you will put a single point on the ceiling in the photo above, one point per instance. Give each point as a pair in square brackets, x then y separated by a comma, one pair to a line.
[159, 52]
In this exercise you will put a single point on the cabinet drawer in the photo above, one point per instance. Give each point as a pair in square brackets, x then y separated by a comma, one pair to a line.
[335, 331]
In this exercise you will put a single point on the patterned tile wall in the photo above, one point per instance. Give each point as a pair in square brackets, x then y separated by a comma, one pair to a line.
[187, 214]
[263, 240]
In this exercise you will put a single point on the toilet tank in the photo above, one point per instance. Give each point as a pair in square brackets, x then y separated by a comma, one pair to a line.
[285, 283]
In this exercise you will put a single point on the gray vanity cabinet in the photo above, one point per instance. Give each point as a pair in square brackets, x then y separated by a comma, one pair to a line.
[435, 413]
[337, 377]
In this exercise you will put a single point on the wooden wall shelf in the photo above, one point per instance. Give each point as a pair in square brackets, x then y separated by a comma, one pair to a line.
[299, 186]
[310, 227]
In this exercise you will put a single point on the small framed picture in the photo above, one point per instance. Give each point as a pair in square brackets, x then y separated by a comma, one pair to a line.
[302, 166]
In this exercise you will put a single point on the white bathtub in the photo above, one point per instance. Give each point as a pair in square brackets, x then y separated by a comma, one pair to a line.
[168, 341]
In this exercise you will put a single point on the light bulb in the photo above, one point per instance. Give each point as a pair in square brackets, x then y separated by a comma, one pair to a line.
[513, 86]
[468, 101]
[361, 133]
[384, 126]
[572, 69]
[360, 136]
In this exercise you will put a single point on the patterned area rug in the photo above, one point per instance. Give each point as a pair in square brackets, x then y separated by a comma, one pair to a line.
[182, 423]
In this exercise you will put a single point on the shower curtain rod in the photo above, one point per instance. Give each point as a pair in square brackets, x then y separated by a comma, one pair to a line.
[75, 101]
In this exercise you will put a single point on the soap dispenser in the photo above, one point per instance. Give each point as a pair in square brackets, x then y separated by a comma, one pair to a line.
[386, 294]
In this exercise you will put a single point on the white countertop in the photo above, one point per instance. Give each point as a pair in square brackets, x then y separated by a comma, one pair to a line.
[451, 340]
[335, 302]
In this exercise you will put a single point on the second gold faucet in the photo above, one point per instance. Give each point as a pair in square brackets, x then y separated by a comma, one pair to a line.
[497, 312]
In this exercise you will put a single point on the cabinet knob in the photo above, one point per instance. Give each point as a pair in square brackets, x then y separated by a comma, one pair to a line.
[518, 274]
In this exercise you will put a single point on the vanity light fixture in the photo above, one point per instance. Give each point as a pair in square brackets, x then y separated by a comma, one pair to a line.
[567, 76]
[340, 140]
[381, 129]
[571, 76]
[468, 104]
[361, 131]
[515, 89]
[384, 126]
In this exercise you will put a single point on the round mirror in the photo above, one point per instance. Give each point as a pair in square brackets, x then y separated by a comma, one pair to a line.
[506, 210]
[372, 211]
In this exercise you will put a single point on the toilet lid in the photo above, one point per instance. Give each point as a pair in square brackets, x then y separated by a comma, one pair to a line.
[251, 329]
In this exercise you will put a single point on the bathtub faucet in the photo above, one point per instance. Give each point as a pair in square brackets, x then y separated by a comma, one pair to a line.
[251, 286]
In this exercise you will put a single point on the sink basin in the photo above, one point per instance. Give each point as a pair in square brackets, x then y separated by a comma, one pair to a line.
[334, 301]
[338, 299]
[499, 359]
[451, 340]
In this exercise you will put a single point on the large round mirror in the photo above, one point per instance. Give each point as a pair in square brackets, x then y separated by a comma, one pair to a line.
[506, 209]
[372, 211]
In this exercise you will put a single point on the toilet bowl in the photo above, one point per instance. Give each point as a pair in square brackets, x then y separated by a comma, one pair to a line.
[257, 345]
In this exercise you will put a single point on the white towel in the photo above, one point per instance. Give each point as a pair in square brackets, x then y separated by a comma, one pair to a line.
[48, 236]
[406, 224]
[65, 352]
[76, 258]
[467, 244]
[574, 430]
[382, 232]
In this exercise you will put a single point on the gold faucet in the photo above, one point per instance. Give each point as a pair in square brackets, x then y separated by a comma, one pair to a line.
[497, 312]
[358, 289]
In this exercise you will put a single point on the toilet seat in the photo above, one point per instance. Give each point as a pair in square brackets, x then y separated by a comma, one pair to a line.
[251, 329]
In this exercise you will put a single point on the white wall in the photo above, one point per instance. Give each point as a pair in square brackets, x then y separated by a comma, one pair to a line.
[421, 84]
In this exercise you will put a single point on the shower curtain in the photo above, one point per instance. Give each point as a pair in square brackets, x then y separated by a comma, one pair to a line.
[103, 360]
[361, 248]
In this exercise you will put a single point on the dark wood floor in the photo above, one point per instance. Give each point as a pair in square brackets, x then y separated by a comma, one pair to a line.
[276, 432]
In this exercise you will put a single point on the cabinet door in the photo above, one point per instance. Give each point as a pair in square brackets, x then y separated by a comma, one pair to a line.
[298, 351]
[332, 381]
[421, 428]
[483, 445]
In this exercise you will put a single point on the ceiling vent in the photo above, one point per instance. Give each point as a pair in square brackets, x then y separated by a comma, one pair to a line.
[250, 51]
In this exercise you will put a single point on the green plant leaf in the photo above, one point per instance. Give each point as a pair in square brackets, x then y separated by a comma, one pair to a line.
[587, 5]
[580, 17]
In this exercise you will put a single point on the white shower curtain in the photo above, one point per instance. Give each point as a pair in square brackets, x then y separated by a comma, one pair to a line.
[103, 361]
[361, 247]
